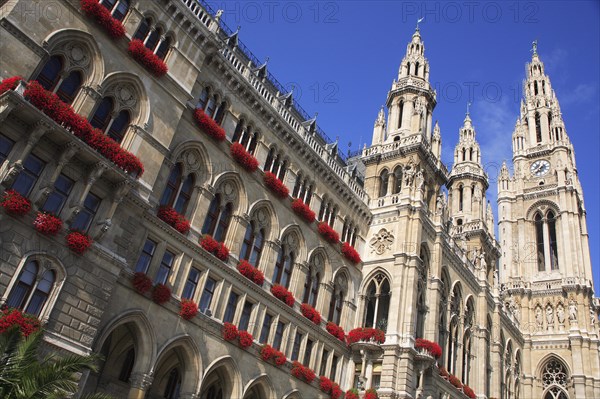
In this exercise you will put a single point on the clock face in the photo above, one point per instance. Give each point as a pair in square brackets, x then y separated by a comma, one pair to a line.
[540, 167]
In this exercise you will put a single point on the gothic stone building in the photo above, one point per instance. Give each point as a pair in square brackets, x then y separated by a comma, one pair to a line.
[515, 315]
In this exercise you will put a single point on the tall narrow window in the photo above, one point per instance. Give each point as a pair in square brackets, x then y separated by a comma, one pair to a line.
[145, 258]
[539, 241]
[335, 306]
[189, 289]
[118, 8]
[21, 291]
[460, 198]
[538, 128]
[334, 365]
[50, 74]
[296, 347]
[553, 244]
[231, 306]
[217, 219]
[32, 168]
[278, 335]
[203, 99]
[283, 267]
[178, 192]
[84, 218]
[377, 303]
[69, 87]
[6, 146]
[143, 29]
[58, 197]
[102, 115]
[173, 385]
[266, 328]
[252, 245]
[245, 317]
[401, 114]
[41, 293]
[207, 294]
[397, 180]
[119, 126]
[165, 268]
[308, 352]
[324, 358]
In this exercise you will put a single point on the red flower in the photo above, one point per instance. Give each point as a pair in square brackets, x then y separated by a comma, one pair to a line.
[276, 185]
[250, 272]
[188, 309]
[310, 313]
[216, 248]
[366, 335]
[174, 219]
[303, 210]
[303, 373]
[267, 352]
[243, 157]
[161, 294]
[336, 392]
[9, 84]
[246, 339]
[46, 223]
[78, 242]
[147, 58]
[27, 324]
[15, 204]
[351, 394]
[141, 282]
[230, 332]
[325, 384]
[350, 253]
[455, 381]
[469, 392]
[443, 372]
[208, 125]
[336, 331]
[431, 347]
[281, 293]
[280, 358]
[328, 233]
[371, 394]
[102, 16]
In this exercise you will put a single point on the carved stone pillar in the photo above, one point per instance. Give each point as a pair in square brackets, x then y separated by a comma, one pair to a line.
[140, 382]
[67, 153]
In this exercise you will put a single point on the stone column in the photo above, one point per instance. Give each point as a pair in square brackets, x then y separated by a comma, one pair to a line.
[140, 382]
[235, 234]
[67, 153]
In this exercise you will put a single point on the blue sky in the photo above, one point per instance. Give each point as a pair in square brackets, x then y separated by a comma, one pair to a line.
[342, 57]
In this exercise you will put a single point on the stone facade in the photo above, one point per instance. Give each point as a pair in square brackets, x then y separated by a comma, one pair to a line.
[425, 234]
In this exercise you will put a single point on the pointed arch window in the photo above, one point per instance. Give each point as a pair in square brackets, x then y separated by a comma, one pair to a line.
[69, 87]
[153, 38]
[539, 240]
[178, 191]
[311, 287]
[383, 183]
[218, 218]
[31, 292]
[283, 266]
[50, 74]
[400, 114]
[397, 180]
[253, 244]
[173, 385]
[377, 302]
[335, 305]
[553, 245]
[538, 128]
[460, 198]
[554, 380]
[106, 118]
[50, 78]
[117, 8]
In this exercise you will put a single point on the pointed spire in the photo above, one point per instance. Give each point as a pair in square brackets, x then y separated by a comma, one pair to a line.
[436, 131]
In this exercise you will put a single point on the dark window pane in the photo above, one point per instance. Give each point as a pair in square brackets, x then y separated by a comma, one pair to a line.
[296, 347]
[102, 115]
[69, 87]
[42, 291]
[165, 268]
[231, 305]
[245, 318]
[32, 168]
[147, 252]
[121, 9]
[278, 336]
[50, 74]
[207, 294]
[83, 220]
[190, 285]
[6, 145]
[118, 127]
[56, 200]
[266, 327]
[143, 29]
[20, 292]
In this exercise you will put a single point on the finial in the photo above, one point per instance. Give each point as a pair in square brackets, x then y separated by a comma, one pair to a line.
[316, 114]
[468, 106]
[266, 60]
[418, 22]
[534, 47]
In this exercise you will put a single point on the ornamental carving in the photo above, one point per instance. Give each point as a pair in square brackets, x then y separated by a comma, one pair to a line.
[381, 242]
[191, 161]
[77, 55]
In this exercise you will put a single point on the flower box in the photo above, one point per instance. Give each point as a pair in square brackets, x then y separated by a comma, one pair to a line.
[246, 339]
[47, 223]
[78, 242]
[469, 392]
[174, 219]
[102, 16]
[15, 204]
[147, 58]
[431, 347]
[310, 313]
[161, 293]
[336, 331]
[443, 373]
[455, 381]
[216, 248]
[63, 114]
[188, 309]
[276, 185]
[208, 125]
[141, 282]
[243, 157]
[303, 210]
[281, 293]
[9, 84]
[251, 272]
[350, 253]
[325, 384]
[26, 323]
[230, 332]
[302, 373]
[371, 394]
[351, 394]
[366, 335]
[328, 233]
[336, 391]
[267, 352]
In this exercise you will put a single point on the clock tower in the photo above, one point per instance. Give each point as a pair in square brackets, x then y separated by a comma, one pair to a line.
[545, 269]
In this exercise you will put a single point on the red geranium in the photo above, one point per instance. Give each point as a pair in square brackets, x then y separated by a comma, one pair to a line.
[455, 381]
[174, 219]
[303, 210]
[15, 204]
[325, 384]
[443, 372]
[208, 125]
[9, 84]
[246, 339]
[26, 323]
[371, 394]
[310, 313]
[351, 394]
[161, 293]
[188, 309]
[336, 392]
[216, 248]
[46, 223]
[147, 58]
[282, 293]
[431, 347]
[350, 253]
[328, 233]
[243, 157]
[102, 16]
[78, 242]
[251, 272]
[336, 331]
[366, 335]
[303, 373]
[276, 185]
[141, 282]
[230, 332]
[469, 392]
[280, 358]
[267, 352]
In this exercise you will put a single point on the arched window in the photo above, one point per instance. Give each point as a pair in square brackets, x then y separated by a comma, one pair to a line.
[69, 87]
[203, 99]
[311, 286]
[401, 114]
[30, 293]
[554, 380]
[117, 128]
[335, 306]
[377, 302]
[101, 117]
[50, 74]
[551, 220]
[538, 128]
[218, 218]
[143, 30]
[117, 8]
[178, 192]
[283, 267]
[105, 120]
[383, 183]
[173, 385]
[397, 180]
[460, 198]
[535, 88]
[539, 241]
[253, 244]
[417, 68]
[50, 78]
[153, 38]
